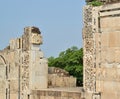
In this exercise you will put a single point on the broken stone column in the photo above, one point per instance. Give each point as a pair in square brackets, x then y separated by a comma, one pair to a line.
[37, 70]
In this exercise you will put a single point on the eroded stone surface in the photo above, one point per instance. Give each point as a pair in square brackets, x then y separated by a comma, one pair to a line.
[60, 78]
[24, 71]
[101, 35]
[22, 66]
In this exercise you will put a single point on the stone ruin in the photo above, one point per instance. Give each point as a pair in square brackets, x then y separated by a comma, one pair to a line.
[24, 71]
[101, 39]
[60, 78]
[22, 66]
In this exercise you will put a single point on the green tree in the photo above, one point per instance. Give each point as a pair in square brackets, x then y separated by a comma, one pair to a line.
[71, 60]
[95, 3]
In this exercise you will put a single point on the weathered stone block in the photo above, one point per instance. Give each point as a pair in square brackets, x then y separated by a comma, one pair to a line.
[14, 86]
[2, 96]
[99, 85]
[2, 72]
[2, 86]
[110, 95]
[105, 40]
[14, 96]
[12, 44]
[64, 94]
[110, 56]
[36, 39]
[114, 39]
[109, 24]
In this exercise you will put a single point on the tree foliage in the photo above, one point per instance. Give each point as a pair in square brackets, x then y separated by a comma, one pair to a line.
[71, 60]
[95, 3]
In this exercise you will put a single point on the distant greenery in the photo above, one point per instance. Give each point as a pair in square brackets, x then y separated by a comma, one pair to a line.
[95, 3]
[72, 61]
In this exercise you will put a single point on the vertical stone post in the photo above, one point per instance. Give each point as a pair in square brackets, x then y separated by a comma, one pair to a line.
[88, 39]
[91, 43]
[34, 68]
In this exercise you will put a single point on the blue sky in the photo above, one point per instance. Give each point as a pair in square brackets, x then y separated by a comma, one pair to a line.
[60, 22]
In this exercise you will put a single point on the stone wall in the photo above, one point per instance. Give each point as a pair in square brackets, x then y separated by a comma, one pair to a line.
[62, 93]
[60, 78]
[23, 67]
[24, 71]
[101, 35]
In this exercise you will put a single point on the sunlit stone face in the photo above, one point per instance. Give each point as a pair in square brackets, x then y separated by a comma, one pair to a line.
[36, 39]
[36, 36]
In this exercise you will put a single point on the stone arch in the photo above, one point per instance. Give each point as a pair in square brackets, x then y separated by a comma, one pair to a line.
[3, 77]
[3, 67]
[1, 56]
